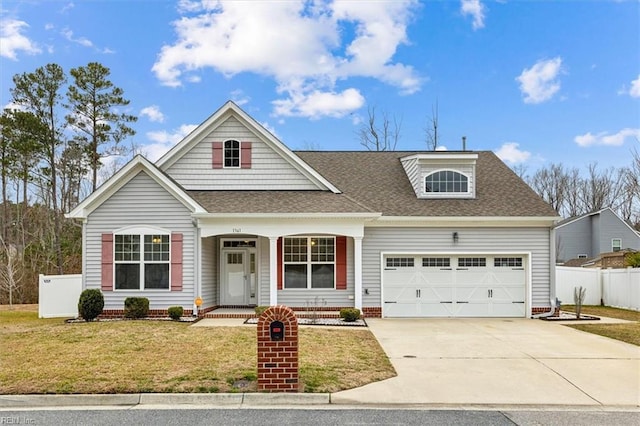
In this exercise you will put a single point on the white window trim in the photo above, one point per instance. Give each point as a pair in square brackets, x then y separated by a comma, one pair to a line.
[309, 263]
[224, 154]
[141, 231]
[468, 194]
[613, 246]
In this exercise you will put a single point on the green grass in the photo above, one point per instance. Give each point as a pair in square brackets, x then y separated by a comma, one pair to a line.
[39, 356]
[627, 332]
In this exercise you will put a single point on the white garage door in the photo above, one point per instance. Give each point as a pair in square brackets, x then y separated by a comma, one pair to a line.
[454, 286]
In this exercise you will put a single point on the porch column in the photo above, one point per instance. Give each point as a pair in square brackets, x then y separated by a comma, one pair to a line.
[357, 265]
[273, 271]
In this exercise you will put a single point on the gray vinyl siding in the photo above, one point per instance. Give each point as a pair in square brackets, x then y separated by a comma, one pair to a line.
[487, 240]
[209, 277]
[574, 239]
[612, 227]
[322, 297]
[269, 171]
[141, 202]
[592, 235]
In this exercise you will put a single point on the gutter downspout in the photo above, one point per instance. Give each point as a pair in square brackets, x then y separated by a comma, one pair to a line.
[552, 277]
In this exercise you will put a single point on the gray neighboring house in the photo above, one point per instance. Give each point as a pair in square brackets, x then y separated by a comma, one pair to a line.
[231, 217]
[587, 236]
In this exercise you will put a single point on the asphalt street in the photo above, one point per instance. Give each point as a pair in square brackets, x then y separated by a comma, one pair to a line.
[311, 416]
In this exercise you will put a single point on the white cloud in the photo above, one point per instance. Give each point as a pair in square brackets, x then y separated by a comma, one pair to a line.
[604, 138]
[153, 113]
[306, 57]
[239, 97]
[12, 39]
[635, 88]
[475, 9]
[441, 148]
[510, 153]
[539, 83]
[318, 104]
[163, 141]
[82, 41]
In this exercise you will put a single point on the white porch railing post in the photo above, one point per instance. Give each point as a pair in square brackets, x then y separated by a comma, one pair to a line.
[357, 267]
[273, 271]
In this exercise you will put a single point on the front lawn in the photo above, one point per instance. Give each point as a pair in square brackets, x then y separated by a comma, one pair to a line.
[628, 332]
[49, 356]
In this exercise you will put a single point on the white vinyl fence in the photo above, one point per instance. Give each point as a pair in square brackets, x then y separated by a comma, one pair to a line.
[58, 295]
[614, 287]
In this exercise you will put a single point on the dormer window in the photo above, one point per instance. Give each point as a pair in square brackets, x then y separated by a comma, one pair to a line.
[446, 181]
[441, 175]
[231, 153]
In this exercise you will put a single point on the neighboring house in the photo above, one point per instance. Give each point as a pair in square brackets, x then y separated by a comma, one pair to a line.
[587, 236]
[231, 216]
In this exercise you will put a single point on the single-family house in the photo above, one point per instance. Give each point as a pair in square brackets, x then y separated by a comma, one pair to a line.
[234, 218]
[588, 235]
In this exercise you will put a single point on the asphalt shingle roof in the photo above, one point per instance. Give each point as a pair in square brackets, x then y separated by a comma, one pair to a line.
[376, 182]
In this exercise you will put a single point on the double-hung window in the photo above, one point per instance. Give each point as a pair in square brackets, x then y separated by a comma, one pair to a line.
[141, 261]
[309, 262]
[616, 244]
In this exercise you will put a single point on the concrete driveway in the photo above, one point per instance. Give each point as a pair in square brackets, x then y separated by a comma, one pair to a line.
[499, 362]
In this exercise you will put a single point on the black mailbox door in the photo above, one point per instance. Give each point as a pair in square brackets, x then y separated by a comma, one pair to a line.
[276, 330]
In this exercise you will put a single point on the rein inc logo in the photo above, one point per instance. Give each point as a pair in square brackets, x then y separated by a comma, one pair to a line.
[16, 420]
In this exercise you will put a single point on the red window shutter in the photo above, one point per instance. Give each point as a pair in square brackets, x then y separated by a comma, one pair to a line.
[279, 263]
[245, 155]
[217, 155]
[106, 278]
[341, 263]
[176, 261]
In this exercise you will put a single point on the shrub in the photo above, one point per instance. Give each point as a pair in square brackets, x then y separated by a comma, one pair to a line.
[136, 307]
[260, 310]
[90, 304]
[175, 312]
[632, 259]
[350, 314]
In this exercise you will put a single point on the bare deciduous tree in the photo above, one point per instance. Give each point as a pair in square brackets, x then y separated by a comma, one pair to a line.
[551, 185]
[432, 134]
[380, 136]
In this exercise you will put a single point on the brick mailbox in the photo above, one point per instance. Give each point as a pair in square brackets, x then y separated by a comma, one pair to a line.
[278, 350]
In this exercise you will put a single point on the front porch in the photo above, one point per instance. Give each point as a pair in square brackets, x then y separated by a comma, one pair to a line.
[306, 263]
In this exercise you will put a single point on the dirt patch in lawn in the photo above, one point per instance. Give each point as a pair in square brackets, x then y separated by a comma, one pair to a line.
[49, 356]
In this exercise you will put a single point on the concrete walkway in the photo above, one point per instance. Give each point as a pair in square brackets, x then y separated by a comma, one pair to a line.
[499, 362]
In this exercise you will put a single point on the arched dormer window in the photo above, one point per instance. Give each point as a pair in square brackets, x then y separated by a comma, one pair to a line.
[231, 153]
[446, 181]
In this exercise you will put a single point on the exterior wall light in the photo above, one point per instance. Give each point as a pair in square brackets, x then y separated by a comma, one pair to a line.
[455, 238]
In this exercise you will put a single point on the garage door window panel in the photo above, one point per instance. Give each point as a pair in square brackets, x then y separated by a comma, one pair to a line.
[436, 262]
[400, 262]
[472, 262]
[507, 262]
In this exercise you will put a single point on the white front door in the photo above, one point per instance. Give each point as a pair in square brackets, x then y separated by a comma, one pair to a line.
[238, 277]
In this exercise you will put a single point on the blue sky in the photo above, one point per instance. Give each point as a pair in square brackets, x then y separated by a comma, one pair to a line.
[535, 81]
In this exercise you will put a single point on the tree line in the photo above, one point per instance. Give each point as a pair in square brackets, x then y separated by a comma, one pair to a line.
[54, 136]
[572, 193]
